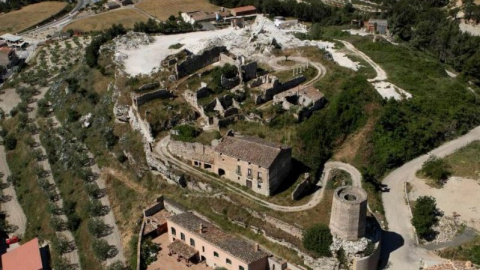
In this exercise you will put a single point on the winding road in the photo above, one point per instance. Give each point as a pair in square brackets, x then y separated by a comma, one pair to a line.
[399, 243]
[162, 150]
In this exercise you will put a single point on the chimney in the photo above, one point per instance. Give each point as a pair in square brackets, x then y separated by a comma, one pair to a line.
[200, 228]
[257, 247]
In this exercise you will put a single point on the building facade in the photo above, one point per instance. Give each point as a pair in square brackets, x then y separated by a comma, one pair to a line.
[252, 162]
[208, 243]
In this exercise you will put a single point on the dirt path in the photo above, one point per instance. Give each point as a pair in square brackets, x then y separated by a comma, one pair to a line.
[399, 244]
[13, 209]
[164, 154]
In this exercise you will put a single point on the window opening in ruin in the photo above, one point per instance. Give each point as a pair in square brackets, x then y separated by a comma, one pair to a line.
[207, 166]
[221, 172]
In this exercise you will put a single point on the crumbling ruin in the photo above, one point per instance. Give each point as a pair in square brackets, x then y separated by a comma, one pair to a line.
[302, 100]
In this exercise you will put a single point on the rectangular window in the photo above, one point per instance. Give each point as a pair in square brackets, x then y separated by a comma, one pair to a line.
[192, 242]
[239, 170]
[203, 249]
[228, 261]
[174, 232]
[259, 184]
[182, 236]
[259, 176]
[215, 254]
[249, 174]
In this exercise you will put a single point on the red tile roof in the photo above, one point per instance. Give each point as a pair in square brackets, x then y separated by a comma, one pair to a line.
[25, 257]
[244, 9]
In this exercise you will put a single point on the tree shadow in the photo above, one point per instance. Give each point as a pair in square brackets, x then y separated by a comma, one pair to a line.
[391, 241]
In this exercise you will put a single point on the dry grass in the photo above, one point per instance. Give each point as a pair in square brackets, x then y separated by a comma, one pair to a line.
[16, 21]
[162, 9]
[466, 161]
[127, 17]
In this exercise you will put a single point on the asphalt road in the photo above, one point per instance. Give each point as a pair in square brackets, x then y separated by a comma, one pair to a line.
[399, 243]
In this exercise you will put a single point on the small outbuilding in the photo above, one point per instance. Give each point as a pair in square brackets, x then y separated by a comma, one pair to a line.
[25, 257]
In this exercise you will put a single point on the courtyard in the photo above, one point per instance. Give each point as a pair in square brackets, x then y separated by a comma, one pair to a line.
[166, 262]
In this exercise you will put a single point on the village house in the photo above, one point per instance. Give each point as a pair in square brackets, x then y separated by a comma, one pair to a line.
[195, 239]
[13, 40]
[26, 257]
[243, 11]
[252, 162]
[376, 26]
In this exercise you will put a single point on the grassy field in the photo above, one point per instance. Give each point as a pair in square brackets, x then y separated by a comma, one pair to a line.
[164, 8]
[466, 161]
[16, 21]
[127, 17]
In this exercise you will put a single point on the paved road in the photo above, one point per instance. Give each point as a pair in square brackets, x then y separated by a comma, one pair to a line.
[399, 243]
[164, 154]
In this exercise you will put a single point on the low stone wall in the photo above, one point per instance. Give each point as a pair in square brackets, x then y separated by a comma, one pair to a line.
[188, 151]
[157, 94]
[281, 225]
[148, 86]
[195, 62]
[283, 86]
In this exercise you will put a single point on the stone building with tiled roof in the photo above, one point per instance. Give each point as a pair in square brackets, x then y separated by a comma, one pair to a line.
[252, 162]
[189, 232]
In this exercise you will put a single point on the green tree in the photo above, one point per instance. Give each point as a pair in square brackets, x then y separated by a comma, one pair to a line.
[425, 216]
[98, 228]
[185, 133]
[436, 169]
[318, 239]
[102, 249]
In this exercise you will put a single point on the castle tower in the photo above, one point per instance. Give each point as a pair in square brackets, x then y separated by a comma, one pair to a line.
[349, 210]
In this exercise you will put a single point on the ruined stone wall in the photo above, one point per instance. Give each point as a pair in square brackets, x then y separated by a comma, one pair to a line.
[368, 262]
[229, 83]
[188, 151]
[282, 86]
[302, 188]
[196, 62]
[249, 71]
[139, 124]
[157, 94]
[284, 226]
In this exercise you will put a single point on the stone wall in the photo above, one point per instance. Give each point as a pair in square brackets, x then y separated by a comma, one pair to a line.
[302, 188]
[229, 83]
[195, 62]
[283, 86]
[148, 86]
[281, 225]
[188, 151]
[249, 71]
[173, 207]
[368, 262]
[157, 94]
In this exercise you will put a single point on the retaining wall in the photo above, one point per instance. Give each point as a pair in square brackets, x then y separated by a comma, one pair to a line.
[157, 94]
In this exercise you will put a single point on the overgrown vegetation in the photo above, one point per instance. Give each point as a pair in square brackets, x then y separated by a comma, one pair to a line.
[425, 216]
[318, 239]
[436, 169]
[92, 50]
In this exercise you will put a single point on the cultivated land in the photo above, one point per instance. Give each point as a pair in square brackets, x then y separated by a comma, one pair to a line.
[127, 17]
[28, 16]
[162, 9]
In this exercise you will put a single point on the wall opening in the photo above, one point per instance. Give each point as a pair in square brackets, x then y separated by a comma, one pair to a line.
[221, 172]
[350, 197]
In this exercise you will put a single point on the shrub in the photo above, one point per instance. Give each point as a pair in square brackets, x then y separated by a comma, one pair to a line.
[318, 239]
[10, 142]
[436, 169]
[185, 133]
[148, 252]
[425, 216]
[98, 228]
[475, 254]
[96, 208]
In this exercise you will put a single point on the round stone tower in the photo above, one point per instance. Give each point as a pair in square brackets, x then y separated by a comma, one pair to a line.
[349, 210]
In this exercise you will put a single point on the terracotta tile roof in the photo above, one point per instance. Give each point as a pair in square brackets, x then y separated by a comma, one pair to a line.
[25, 257]
[251, 149]
[236, 247]
[244, 9]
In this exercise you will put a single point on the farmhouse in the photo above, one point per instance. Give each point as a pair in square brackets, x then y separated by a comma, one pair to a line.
[252, 162]
[25, 257]
[195, 239]
[243, 11]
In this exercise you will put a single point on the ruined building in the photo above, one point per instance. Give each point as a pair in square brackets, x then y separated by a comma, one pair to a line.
[303, 100]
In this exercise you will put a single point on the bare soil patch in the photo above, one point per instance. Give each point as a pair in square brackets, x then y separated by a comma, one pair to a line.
[16, 21]
[164, 8]
[127, 17]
